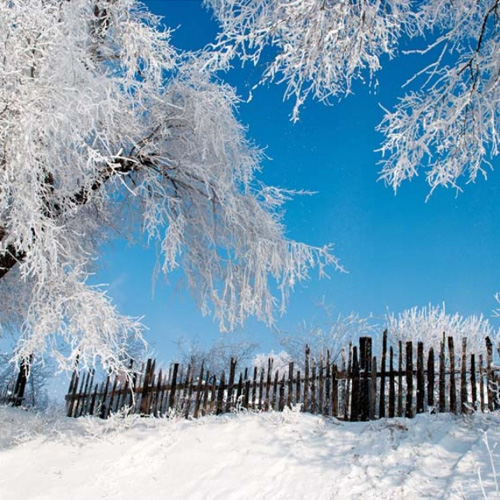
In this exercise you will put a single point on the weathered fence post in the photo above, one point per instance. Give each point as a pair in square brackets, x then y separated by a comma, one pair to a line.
[420, 378]
[409, 380]
[22, 378]
[381, 410]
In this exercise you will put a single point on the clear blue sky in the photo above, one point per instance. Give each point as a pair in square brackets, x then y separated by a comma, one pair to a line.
[399, 250]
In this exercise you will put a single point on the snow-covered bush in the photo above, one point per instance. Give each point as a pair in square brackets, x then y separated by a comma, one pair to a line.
[427, 324]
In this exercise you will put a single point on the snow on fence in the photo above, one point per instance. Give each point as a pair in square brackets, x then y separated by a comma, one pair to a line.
[402, 382]
[12, 392]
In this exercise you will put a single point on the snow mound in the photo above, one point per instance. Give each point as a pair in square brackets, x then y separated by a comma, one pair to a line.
[287, 455]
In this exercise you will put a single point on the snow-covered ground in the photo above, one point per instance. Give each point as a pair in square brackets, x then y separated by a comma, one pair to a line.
[246, 456]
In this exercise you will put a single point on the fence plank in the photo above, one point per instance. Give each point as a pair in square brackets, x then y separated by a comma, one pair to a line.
[298, 388]
[173, 388]
[381, 410]
[481, 383]
[347, 385]
[328, 385]
[290, 385]
[254, 388]
[420, 378]
[355, 410]
[473, 381]
[198, 391]
[392, 386]
[320, 385]
[442, 381]
[409, 380]
[261, 388]
[365, 357]
[313, 389]
[490, 381]
[188, 392]
[400, 380]
[281, 404]
[430, 378]
[463, 379]
[335, 393]
[373, 388]
[306, 380]
[230, 386]
[275, 401]
[220, 394]
[453, 386]
[239, 392]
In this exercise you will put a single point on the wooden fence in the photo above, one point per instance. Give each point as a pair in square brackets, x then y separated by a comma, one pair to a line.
[12, 391]
[404, 381]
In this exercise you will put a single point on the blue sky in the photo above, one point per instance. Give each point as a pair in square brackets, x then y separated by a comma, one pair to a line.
[400, 251]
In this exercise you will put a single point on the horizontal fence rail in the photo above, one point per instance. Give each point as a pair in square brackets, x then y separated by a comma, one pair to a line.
[404, 381]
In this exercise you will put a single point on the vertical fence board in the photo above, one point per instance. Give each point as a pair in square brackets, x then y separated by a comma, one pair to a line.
[481, 383]
[381, 410]
[355, 386]
[306, 380]
[463, 378]
[473, 381]
[290, 385]
[335, 393]
[373, 388]
[420, 378]
[430, 378]
[453, 386]
[489, 375]
[400, 380]
[313, 389]
[409, 380]
[392, 386]
[442, 379]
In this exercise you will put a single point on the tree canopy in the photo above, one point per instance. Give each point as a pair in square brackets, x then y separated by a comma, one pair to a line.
[105, 126]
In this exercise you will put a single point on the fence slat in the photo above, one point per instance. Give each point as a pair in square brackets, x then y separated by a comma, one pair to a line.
[430, 378]
[490, 381]
[335, 393]
[409, 380]
[381, 410]
[290, 385]
[453, 386]
[442, 381]
[463, 379]
[373, 388]
[400, 380]
[473, 381]
[306, 380]
[392, 385]
[355, 386]
[420, 378]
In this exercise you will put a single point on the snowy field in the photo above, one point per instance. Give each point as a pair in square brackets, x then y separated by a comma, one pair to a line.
[246, 456]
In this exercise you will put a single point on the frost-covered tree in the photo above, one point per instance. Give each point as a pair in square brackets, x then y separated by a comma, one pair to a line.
[217, 356]
[427, 324]
[334, 333]
[104, 125]
[445, 125]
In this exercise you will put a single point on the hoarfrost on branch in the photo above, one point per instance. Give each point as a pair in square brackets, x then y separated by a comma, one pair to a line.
[103, 123]
[445, 125]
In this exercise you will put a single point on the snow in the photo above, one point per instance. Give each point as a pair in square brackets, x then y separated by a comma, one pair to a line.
[239, 456]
